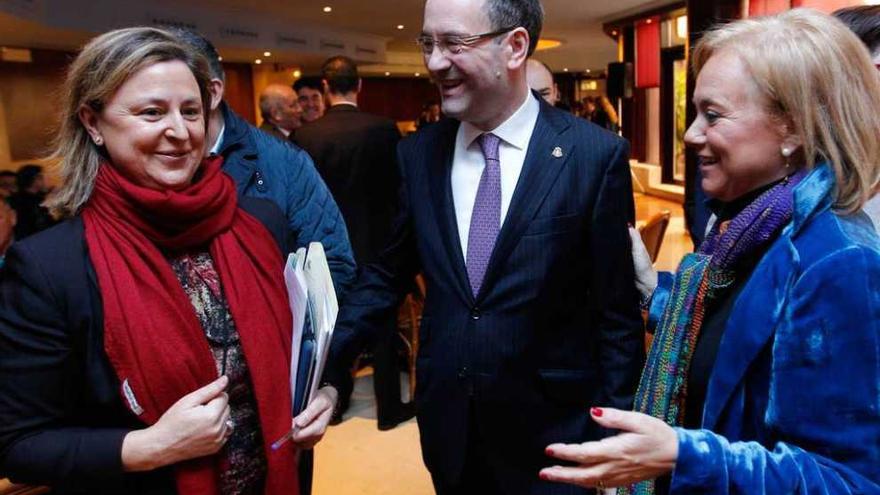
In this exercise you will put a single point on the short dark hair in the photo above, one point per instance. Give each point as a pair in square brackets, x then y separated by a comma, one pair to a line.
[528, 14]
[26, 176]
[341, 74]
[311, 82]
[864, 21]
[205, 48]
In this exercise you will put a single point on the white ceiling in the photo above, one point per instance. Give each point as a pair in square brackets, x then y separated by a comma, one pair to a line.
[576, 22]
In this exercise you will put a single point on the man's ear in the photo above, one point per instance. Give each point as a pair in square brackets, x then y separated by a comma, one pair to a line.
[89, 118]
[518, 45]
[325, 87]
[216, 89]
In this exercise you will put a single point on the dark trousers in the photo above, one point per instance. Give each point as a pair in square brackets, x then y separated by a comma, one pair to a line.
[478, 476]
[386, 375]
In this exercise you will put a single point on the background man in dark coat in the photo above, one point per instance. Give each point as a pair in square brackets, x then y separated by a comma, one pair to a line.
[354, 152]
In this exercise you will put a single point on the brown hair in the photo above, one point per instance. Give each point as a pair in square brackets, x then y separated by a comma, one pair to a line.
[102, 66]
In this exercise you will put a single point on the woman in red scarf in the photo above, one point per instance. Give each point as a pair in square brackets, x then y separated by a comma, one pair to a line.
[145, 343]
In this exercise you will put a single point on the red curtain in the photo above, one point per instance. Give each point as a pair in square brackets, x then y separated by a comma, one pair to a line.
[648, 53]
[767, 7]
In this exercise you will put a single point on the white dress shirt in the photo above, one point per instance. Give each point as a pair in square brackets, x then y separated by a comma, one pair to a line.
[468, 163]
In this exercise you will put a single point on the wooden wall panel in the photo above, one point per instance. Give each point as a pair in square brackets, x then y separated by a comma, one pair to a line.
[397, 98]
[239, 92]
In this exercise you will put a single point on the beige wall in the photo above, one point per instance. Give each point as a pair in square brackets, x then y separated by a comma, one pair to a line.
[264, 75]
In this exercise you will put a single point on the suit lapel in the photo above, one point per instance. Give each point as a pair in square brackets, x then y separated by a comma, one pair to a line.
[549, 150]
[440, 170]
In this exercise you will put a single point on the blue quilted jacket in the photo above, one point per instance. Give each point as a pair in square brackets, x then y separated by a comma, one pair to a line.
[266, 167]
[793, 402]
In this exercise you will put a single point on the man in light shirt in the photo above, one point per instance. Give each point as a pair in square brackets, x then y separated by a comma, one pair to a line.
[516, 214]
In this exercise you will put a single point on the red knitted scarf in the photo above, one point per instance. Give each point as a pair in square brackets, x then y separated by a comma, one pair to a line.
[151, 333]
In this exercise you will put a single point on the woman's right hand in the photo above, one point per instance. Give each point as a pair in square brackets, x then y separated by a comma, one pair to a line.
[195, 426]
[646, 275]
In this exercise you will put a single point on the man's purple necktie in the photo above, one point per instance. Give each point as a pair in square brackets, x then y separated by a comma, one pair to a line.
[486, 217]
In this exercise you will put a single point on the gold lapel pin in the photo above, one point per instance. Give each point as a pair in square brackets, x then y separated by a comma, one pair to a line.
[557, 152]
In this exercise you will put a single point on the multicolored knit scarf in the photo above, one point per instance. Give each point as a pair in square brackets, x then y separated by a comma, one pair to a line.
[702, 276]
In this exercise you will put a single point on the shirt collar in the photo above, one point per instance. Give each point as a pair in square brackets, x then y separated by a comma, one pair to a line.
[515, 131]
[215, 150]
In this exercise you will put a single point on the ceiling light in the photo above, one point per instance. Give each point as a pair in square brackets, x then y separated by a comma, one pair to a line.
[613, 33]
[219, 59]
[267, 54]
[418, 74]
[565, 69]
[547, 44]
[328, 9]
[587, 71]
[387, 74]
[400, 26]
[297, 73]
[650, 21]
[258, 61]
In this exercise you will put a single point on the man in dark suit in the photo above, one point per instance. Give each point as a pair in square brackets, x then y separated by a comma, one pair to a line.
[354, 152]
[516, 213]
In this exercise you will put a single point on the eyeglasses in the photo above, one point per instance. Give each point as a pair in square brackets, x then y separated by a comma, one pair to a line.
[455, 44]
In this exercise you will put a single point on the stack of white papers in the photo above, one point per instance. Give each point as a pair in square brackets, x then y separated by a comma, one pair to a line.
[314, 307]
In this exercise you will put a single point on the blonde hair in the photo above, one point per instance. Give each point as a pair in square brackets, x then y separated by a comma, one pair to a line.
[102, 66]
[817, 77]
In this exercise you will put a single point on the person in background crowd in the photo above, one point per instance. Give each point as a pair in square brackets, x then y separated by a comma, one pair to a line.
[864, 21]
[430, 114]
[28, 201]
[742, 392]
[8, 219]
[264, 167]
[7, 184]
[142, 341]
[280, 110]
[311, 98]
[540, 79]
[354, 152]
[531, 312]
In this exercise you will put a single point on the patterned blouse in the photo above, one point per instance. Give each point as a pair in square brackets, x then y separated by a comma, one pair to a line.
[245, 470]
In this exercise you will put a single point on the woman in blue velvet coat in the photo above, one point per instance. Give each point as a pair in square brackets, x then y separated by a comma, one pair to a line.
[764, 373]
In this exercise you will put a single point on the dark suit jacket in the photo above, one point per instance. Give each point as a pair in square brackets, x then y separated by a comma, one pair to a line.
[62, 420]
[556, 327]
[271, 130]
[354, 152]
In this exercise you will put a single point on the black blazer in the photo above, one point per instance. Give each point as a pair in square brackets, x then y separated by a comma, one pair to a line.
[556, 327]
[354, 152]
[62, 420]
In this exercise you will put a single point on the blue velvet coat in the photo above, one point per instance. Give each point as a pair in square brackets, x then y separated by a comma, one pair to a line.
[793, 403]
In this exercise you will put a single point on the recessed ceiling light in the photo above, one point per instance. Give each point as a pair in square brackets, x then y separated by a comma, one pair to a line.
[418, 74]
[587, 71]
[650, 21]
[387, 74]
[565, 69]
[220, 58]
[258, 61]
[400, 26]
[613, 33]
[267, 54]
[297, 73]
[328, 9]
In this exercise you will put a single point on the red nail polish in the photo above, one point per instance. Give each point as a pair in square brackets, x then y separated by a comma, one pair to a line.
[544, 477]
[597, 411]
[549, 451]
